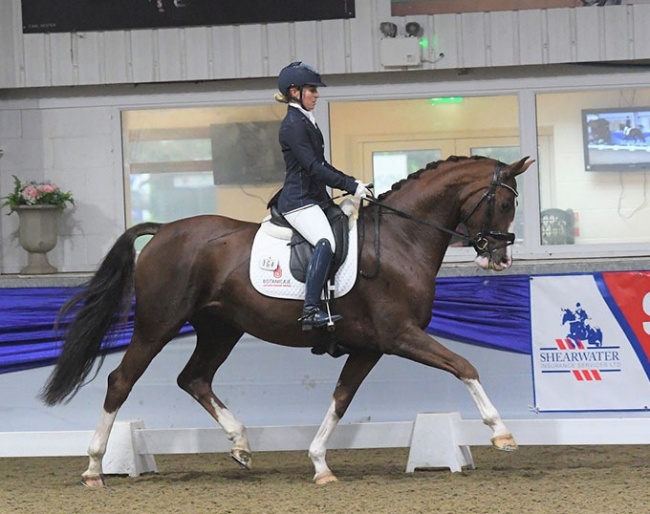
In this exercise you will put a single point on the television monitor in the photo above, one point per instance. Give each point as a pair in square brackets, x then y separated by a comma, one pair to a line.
[247, 153]
[616, 139]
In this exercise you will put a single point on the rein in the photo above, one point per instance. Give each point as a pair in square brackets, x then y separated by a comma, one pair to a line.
[480, 242]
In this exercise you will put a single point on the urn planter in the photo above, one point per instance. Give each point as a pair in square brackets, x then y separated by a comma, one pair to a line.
[38, 235]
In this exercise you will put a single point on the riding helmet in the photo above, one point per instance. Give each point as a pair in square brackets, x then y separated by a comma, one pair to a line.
[298, 74]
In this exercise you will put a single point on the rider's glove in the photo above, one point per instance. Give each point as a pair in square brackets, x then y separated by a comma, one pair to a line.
[362, 190]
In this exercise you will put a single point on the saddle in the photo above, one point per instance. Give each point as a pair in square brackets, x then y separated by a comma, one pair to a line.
[301, 250]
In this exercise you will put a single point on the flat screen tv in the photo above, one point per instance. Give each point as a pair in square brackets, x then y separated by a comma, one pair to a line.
[247, 153]
[616, 139]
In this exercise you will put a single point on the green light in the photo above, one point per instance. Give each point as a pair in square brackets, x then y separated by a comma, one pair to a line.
[424, 43]
[446, 100]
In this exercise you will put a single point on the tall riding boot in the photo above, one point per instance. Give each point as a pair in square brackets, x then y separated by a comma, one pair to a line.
[317, 272]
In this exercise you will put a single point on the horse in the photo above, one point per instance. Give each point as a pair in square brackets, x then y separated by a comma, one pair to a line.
[634, 134]
[195, 270]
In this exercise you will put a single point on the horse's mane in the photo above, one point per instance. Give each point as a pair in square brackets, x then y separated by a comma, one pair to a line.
[430, 166]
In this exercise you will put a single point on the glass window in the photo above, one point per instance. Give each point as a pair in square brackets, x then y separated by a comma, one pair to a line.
[391, 167]
[181, 162]
[593, 185]
[381, 141]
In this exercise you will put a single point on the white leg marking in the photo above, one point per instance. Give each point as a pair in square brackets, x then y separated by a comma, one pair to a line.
[235, 431]
[318, 447]
[489, 413]
[97, 447]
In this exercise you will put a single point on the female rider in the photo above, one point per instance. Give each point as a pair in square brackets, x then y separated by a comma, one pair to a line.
[304, 194]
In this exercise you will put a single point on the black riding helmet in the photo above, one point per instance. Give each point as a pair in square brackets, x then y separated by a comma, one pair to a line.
[298, 74]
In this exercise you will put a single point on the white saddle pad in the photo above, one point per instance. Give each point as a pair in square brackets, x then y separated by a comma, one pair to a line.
[270, 273]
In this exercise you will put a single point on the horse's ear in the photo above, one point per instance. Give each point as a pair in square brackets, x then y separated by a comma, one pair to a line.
[516, 168]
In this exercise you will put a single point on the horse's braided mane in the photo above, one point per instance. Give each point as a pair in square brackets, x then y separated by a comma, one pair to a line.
[430, 166]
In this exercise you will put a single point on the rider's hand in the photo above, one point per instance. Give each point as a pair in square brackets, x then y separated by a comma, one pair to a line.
[362, 190]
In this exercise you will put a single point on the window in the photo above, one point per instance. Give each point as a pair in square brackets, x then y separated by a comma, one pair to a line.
[596, 207]
[382, 141]
[181, 162]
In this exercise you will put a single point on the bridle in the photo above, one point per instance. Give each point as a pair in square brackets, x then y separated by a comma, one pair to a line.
[481, 242]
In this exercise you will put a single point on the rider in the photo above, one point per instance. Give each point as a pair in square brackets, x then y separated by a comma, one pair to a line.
[304, 195]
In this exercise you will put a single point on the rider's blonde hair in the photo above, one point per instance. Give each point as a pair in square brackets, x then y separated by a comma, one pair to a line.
[279, 97]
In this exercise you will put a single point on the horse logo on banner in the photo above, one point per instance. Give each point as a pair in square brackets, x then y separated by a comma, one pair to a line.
[581, 329]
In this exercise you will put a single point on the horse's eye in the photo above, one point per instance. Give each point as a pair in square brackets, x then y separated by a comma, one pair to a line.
[506, 207]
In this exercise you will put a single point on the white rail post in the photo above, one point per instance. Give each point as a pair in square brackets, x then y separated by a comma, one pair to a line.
[122, 454]
[434, 443]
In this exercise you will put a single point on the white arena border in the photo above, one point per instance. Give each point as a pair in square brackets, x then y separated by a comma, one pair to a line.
[436, 440]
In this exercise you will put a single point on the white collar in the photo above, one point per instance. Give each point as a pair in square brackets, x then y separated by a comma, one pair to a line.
[307, 113]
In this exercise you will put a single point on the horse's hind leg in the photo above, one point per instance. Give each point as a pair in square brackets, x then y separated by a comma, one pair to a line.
[215, 341]
[138, 356]
[355, 370]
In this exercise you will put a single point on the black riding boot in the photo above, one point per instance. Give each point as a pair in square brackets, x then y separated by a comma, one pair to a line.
[317, 272]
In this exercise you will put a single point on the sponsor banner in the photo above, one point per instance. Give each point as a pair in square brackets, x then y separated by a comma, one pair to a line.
[591, 341]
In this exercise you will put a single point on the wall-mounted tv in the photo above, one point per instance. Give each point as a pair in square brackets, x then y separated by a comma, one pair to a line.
[616, 139]
[247, 153]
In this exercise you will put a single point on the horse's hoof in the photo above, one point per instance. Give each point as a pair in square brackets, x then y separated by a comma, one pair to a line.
[243, 458]
[93, 481]
[325, 478]
[504, 443]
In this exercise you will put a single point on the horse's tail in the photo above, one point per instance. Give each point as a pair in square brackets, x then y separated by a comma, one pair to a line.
[104, 301]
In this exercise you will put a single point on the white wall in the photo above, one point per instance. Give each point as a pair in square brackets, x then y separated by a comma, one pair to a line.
[72, 137]
[470, 40]
[268, 385]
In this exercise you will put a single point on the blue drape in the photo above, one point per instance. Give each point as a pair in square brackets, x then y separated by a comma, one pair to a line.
[487, 311]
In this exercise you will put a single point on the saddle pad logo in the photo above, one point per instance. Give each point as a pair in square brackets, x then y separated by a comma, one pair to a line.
[269, 264]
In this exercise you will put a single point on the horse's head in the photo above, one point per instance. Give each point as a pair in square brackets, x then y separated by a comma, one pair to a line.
[488, 211]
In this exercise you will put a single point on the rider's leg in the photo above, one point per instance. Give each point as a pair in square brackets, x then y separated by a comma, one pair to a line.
[313, 225]
[317, 273]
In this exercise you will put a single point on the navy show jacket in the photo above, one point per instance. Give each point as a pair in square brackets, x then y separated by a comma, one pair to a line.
[307, 172]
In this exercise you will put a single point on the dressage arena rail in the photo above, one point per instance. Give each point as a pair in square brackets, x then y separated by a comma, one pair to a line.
[436, 440]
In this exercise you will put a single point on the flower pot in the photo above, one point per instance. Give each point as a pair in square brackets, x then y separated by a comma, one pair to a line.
[38, 235]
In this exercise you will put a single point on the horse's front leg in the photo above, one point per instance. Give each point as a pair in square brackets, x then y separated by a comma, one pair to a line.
[418, 346]
[502, 438]
[355, 370]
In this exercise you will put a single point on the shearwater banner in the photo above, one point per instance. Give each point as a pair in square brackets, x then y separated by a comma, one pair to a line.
[591, 341]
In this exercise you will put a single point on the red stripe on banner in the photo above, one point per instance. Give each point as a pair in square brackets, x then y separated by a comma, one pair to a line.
[596, 374]
[631, 291]
[560, 344]
[576, 373]
[580, 345]
[587, 374]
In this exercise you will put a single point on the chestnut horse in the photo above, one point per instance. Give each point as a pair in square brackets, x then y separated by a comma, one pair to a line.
[196, 270]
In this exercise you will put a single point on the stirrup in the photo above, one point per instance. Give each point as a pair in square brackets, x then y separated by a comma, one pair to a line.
[316, 318]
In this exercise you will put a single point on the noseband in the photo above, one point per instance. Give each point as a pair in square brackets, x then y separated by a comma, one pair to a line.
[480, 242]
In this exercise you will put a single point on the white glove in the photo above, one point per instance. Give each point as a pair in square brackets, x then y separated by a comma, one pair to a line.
[362, 191]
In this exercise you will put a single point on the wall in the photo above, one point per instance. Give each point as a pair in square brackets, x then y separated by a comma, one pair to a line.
[72, 136]
[268, 385]
[469, 40]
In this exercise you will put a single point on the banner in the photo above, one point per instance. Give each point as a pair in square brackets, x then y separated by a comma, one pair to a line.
[98, 15]
[415, 7]
[591, 341]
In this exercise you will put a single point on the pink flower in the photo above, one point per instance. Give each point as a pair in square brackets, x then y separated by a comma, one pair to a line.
[48, 187]
[30, 193]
